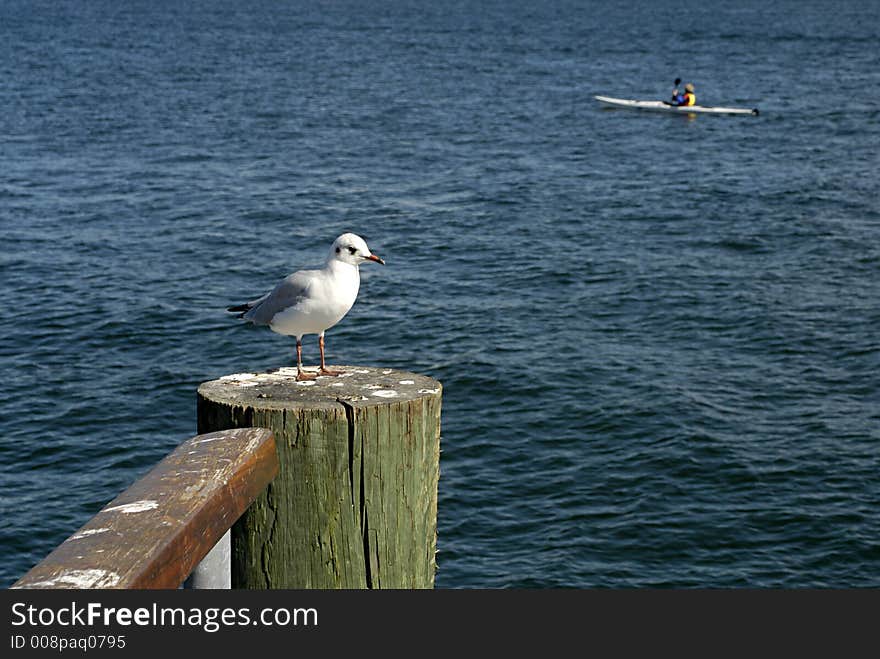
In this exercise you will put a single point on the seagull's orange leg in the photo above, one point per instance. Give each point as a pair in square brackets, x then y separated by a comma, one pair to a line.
[324, 370]
[300, 373]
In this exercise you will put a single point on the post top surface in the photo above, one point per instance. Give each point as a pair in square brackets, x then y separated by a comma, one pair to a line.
[357, 385]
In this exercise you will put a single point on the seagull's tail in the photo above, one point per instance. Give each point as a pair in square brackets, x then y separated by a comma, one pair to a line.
[242, 309]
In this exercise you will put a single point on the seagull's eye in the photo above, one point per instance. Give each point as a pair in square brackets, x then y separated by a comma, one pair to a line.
[338, 249]
[352, 250]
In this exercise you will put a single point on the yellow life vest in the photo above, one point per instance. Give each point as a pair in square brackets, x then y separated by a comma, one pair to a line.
[690, 98]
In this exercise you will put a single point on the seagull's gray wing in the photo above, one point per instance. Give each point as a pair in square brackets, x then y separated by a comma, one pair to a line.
[289, 292]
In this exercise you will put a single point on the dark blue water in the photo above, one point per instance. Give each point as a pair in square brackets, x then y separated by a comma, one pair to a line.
[658, 337]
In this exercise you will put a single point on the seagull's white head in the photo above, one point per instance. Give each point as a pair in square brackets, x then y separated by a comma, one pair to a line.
[351, 248]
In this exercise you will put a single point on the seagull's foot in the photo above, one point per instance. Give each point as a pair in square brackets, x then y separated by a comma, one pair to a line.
[302, 375]
[328, 372]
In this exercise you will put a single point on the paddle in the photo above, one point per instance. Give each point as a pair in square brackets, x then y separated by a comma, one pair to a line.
[674, 84]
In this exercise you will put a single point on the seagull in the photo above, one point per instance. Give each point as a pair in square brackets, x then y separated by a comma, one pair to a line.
[312, 301]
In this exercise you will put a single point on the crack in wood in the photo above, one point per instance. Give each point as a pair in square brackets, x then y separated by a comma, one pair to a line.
[362, 506]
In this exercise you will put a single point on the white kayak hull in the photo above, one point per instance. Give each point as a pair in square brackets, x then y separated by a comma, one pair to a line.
[660, 106]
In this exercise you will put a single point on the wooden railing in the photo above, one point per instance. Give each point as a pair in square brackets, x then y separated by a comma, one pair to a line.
[156, 532]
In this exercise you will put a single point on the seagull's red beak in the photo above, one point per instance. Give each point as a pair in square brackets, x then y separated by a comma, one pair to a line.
[373, 257]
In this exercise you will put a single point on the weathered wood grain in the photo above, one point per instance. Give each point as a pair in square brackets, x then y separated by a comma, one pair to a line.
[154, 534]
[355, 502]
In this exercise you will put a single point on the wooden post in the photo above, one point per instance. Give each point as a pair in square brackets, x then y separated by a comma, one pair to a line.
[355, 501]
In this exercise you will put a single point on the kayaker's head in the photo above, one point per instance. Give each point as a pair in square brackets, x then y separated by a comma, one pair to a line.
[689, 87]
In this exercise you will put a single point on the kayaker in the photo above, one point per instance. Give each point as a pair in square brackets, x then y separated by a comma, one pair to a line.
[689, 97]
[677, 97]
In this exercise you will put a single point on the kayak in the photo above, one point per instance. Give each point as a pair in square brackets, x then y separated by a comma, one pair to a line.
[660, 106]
